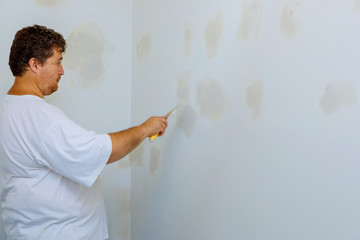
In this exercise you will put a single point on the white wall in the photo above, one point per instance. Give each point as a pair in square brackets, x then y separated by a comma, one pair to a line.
[266, 142]
[97, 93]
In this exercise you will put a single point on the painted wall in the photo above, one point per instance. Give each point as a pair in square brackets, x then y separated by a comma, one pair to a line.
[96, 88]
[265, 144]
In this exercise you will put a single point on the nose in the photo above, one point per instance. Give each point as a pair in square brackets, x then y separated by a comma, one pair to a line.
[61, 71]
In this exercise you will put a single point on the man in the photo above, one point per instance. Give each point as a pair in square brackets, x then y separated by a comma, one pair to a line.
[50, 165]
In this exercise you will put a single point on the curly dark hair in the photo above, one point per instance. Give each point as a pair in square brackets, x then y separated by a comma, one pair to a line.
[33, 42]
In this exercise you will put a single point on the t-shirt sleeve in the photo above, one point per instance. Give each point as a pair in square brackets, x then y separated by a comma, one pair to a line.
[74, 152]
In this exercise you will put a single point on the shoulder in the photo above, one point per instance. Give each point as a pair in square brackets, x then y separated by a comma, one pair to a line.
[51, 112]
[34, 110]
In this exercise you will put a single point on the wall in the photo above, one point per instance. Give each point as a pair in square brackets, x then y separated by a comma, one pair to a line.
[95, 90]
[265, 144]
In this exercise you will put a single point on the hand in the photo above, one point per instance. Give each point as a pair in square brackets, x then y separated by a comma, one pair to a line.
[155, 125]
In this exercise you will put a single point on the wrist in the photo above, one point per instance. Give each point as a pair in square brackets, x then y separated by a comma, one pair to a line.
[142, 131]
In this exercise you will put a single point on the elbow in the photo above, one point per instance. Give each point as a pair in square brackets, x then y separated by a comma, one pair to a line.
[114, 157]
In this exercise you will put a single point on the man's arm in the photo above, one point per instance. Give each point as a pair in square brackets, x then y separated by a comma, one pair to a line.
[125, 141]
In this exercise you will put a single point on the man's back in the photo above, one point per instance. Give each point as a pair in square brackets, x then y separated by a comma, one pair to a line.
[48, 173]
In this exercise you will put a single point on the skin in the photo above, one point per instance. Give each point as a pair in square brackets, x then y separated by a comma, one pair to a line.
[39, 79]
[43, 79]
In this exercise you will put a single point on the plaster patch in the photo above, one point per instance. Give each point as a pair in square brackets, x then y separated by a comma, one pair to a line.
[137, 156]
[154, 159]
[124, 163]
[123, 197]
[250, 19]
[291, 21]
[211, 98]
[337, 96]
[213, 34]
[49, 3]
[186, 118]
[85, 52]
[357, 6]
[143, 47]
[183, 87]
[254, 98]
[187, 41]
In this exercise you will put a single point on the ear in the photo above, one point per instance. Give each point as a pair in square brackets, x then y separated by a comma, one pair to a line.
[34, 65]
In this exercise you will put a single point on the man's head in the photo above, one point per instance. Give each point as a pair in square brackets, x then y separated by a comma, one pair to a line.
[36, 42]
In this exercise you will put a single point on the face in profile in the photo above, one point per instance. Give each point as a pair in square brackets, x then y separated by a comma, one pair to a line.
[50, 73]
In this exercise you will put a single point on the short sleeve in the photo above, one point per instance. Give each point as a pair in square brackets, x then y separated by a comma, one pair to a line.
[74, 152]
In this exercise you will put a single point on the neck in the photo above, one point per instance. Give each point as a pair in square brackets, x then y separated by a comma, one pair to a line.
[25, 86]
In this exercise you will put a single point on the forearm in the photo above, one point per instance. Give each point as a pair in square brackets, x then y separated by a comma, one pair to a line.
[125, 141]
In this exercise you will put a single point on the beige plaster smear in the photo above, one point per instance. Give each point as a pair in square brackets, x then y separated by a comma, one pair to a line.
[49, 3]
[186, 118]
[186, 115]
[124, 163]
[254, 98]
[211, 98]
[187, 41]
[337, 96]
[184, 85]
[143, 47]
[123, 197]
[85, 52]
[137, 156]
[291, 20]
[213, 34]
[154, 159]
[357, 6]
[250, 19]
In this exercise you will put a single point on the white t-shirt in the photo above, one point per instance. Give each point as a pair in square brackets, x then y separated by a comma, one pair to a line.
[49, 168]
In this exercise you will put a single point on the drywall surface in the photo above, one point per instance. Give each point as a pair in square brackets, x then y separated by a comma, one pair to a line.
[266, 141]
[95, 90]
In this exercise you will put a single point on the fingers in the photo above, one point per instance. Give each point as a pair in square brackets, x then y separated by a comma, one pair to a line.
[163, 125]
[156, 125]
